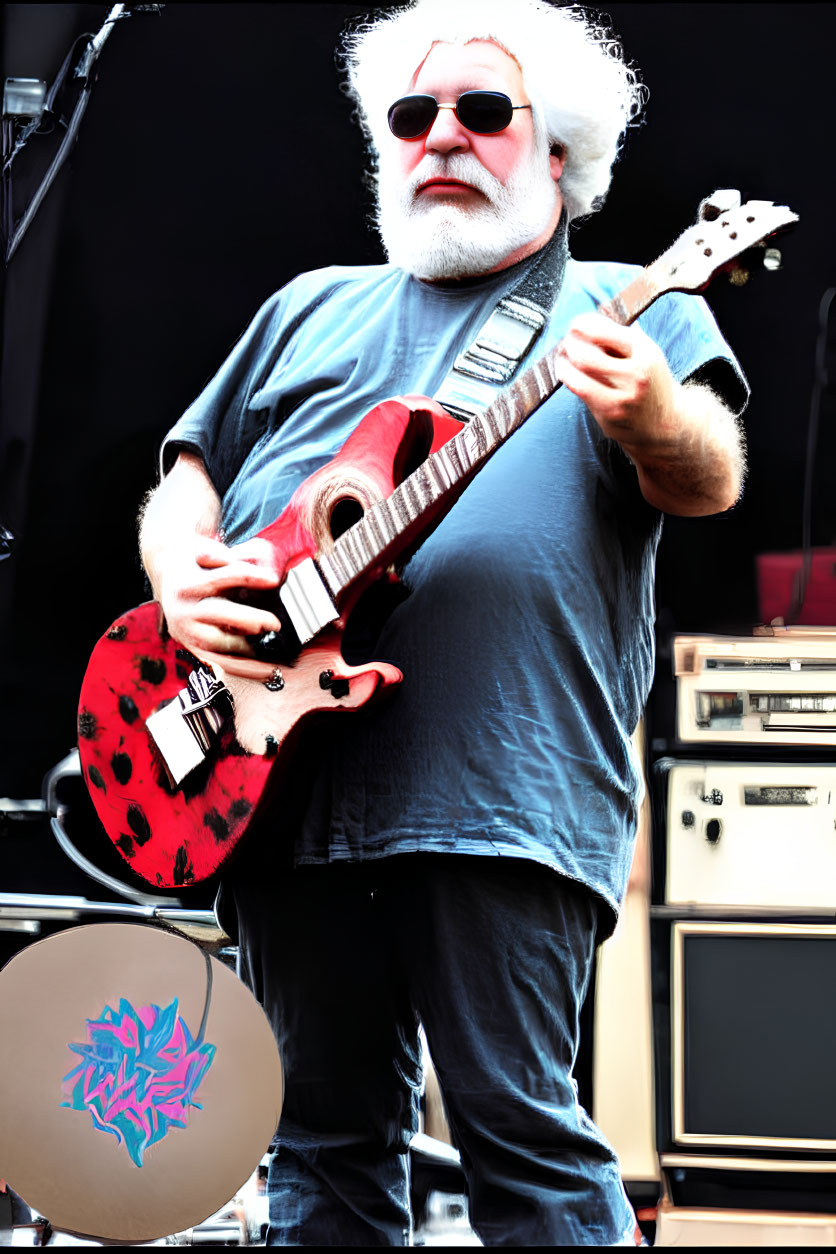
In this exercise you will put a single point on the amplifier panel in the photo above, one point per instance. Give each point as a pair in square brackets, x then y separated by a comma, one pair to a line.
[750, 834]
[768, 690]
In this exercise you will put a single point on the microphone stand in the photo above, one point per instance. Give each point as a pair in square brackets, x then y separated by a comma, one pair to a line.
[83, 70]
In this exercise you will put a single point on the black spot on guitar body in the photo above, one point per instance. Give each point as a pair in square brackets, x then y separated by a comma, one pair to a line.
[138, 824]
[96, 778]
[88, 725]
[151, 670]
[122, 767]
[183, 869]
[128, 709]
[217, 825]
[126, 844]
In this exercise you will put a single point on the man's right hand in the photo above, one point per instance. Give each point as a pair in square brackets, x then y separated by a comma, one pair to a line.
[194, 575]
[198, 576]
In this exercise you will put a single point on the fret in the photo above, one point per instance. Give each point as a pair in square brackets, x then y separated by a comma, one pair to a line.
[336, 570]
[366, 540]
[454, 448]
[398, 497]
[411, 490]
[436, 465]
[349, 540]
[372, 518]
[549, 365]
[514, 401]
[340, 560]
[326, 570]
[633, 300]
[471, 445]
[502, 408]
[343, 573]
[489, 418]
[421, 479]
[387, 522]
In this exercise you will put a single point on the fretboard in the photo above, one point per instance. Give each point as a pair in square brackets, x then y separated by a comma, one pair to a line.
[445, 473]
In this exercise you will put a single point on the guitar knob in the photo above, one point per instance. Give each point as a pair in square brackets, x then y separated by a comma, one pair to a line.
[270, 646]
[338, 687]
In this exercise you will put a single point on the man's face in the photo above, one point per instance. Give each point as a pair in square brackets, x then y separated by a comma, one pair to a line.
[454, 203]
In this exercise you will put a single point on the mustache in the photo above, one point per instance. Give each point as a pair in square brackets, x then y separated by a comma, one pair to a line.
[461, 167]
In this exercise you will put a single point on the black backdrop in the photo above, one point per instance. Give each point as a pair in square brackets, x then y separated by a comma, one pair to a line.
[218, 158]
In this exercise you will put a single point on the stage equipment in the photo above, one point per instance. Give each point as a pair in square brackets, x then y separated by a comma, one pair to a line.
[775, 689]
[140, 1081]
[27, 99]
[743, 932]
[24, 98]
[753, 1026]
[701, 1227]
[751, 835]
[54, 844]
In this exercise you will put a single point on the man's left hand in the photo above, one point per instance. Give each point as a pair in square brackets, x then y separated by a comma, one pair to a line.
[687, 448]
[622, 377]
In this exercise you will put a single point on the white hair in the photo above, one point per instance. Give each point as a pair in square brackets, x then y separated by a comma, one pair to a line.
[583, 94]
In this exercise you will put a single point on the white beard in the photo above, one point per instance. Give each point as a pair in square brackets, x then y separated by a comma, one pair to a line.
[435, 238]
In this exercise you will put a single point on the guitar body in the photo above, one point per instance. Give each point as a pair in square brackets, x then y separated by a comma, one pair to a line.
[171, 836]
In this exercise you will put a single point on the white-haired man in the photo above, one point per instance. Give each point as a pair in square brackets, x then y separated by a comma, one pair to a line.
[456, 855]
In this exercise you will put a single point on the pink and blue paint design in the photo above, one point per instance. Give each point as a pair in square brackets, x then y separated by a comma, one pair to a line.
[139, 1073]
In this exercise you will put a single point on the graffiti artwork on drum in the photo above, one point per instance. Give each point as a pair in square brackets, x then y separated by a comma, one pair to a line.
[139, 1073]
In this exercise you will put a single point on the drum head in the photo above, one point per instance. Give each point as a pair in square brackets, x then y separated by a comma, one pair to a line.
[140, 1082]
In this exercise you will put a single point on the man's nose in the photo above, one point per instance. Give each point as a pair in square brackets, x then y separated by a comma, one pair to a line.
[447, 134]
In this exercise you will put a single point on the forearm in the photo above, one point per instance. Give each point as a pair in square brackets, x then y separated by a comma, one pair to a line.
[184, 505]
[687, 448]
[202, 584]
[692, 460]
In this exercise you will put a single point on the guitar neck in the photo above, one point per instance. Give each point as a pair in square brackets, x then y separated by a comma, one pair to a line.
[429, 491]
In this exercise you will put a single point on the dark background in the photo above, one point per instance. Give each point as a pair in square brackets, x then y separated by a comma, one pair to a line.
[218, 158]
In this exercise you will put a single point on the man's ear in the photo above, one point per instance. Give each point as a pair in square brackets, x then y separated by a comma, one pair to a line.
[557, 160]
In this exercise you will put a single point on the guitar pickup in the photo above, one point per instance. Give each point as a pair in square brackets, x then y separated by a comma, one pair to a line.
[185, 729]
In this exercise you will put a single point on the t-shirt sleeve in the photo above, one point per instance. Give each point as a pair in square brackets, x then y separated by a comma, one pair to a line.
[218, 424]
[685, 329]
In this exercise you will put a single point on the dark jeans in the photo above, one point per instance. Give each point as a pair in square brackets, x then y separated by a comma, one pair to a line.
[494, 957]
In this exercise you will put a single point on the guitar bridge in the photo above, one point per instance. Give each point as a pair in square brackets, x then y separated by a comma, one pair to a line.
[185, 729]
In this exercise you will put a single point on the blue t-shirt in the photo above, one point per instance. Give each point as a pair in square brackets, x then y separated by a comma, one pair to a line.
[526, 641]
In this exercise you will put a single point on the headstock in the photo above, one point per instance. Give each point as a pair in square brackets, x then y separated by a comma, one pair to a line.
[726, 229]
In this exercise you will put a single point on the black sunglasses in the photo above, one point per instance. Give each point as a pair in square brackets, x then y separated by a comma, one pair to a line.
[483, 112]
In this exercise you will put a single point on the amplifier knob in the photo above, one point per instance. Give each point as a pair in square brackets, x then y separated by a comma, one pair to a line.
[713, 798]
[713, 831]
[687, 818]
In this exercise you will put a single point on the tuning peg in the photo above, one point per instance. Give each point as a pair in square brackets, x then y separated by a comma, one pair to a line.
[722, 201]
[757, 258]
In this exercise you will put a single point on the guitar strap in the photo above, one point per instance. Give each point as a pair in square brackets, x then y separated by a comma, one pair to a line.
[486, 365]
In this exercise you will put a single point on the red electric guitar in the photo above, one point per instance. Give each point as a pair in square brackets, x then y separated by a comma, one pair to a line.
[179, 758]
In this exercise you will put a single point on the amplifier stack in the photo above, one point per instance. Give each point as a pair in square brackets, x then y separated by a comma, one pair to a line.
[744, 941]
